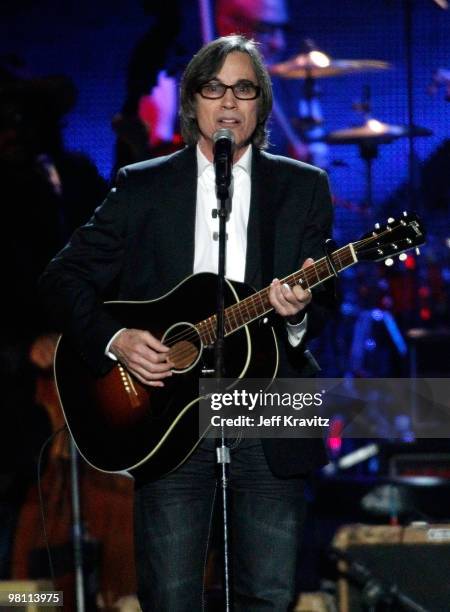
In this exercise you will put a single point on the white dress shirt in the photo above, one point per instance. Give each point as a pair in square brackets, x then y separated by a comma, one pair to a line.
[207, 228]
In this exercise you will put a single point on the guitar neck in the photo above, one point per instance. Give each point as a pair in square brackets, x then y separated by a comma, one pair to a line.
[258, 304]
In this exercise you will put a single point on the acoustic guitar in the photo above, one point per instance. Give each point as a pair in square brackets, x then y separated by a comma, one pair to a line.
[120, 424]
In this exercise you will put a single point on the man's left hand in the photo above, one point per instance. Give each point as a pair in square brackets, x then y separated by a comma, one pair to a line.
[287, 301]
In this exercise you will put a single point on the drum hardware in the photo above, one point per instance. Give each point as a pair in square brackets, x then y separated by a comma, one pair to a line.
[375, 132]
[408, 11]
[317, 65]
[369, 136]
[310, 65]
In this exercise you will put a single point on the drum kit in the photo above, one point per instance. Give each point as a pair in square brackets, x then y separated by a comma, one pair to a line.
[314, 64]
[308, 67]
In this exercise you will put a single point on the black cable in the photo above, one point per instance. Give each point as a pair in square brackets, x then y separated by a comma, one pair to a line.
[41, 500]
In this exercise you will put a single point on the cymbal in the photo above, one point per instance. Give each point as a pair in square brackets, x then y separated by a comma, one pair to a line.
[316, 64]
[376, 132]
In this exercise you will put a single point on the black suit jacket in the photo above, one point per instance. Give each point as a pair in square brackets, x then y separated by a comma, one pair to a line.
[140, 244]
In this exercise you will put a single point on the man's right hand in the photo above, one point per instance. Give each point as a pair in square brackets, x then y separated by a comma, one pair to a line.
[143, 355]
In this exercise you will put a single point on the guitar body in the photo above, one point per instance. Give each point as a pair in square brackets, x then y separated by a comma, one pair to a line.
[120, 424]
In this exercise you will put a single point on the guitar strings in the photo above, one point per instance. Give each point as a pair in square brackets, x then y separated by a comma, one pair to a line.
[247, 304]
[250, 301]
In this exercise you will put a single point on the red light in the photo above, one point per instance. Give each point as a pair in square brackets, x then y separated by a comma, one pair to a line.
[334, 444]
[424, 292]
[425, 314]
[410, 262]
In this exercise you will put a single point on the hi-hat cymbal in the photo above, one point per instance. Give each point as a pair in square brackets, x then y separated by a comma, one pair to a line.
[316, 64]
[376, 132]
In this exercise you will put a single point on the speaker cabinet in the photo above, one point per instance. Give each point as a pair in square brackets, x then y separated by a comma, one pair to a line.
[414, 560]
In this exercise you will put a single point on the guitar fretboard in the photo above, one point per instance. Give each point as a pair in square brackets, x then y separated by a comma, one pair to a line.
[257, 305]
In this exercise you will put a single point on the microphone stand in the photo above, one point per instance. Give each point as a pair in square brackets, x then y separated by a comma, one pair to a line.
[77, 529]
[222, 450]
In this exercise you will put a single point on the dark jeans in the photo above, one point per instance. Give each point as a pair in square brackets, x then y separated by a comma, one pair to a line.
[173, 518]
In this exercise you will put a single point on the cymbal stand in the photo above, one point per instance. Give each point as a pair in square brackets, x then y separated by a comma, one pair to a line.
[309, 109]
[368, 152]
[408, 6]
[311, 121]
[310, 114]
[408, 25]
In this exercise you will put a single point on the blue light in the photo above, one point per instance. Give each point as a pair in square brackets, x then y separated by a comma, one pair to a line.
[373, 465]
[347, 308]
[377, 314]
[370, 344]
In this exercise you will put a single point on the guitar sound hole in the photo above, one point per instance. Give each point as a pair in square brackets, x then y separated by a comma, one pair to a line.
[185, 346]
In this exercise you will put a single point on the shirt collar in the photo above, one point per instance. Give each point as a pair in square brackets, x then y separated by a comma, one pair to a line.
[245, 162]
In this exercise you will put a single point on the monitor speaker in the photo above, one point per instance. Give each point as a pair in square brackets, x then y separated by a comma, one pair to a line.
[383, 564]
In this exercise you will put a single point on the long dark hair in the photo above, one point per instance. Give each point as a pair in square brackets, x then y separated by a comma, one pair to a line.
[204, 66]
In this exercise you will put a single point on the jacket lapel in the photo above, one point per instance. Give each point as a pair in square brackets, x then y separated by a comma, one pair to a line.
[261, 224]
[180, 215]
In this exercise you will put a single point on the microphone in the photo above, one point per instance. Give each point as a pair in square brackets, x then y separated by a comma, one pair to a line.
[223, 160]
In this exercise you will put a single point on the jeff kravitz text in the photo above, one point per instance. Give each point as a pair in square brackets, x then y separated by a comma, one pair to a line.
[275, 420]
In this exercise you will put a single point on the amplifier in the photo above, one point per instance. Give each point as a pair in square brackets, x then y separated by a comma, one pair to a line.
[379, 563]
[421, 465]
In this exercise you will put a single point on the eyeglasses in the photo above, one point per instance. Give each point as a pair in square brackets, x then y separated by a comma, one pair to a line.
[243, 90]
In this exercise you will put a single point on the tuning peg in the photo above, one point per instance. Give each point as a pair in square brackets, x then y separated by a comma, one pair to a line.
[391, 220]
[404, 213]
[377, 226]
[417, 251]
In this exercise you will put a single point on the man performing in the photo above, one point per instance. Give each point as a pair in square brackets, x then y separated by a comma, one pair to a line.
[155, 229]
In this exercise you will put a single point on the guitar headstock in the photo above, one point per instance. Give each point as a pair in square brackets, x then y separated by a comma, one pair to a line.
[395, 237]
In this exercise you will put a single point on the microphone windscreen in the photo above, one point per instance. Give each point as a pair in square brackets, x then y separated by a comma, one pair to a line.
[224, 133]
